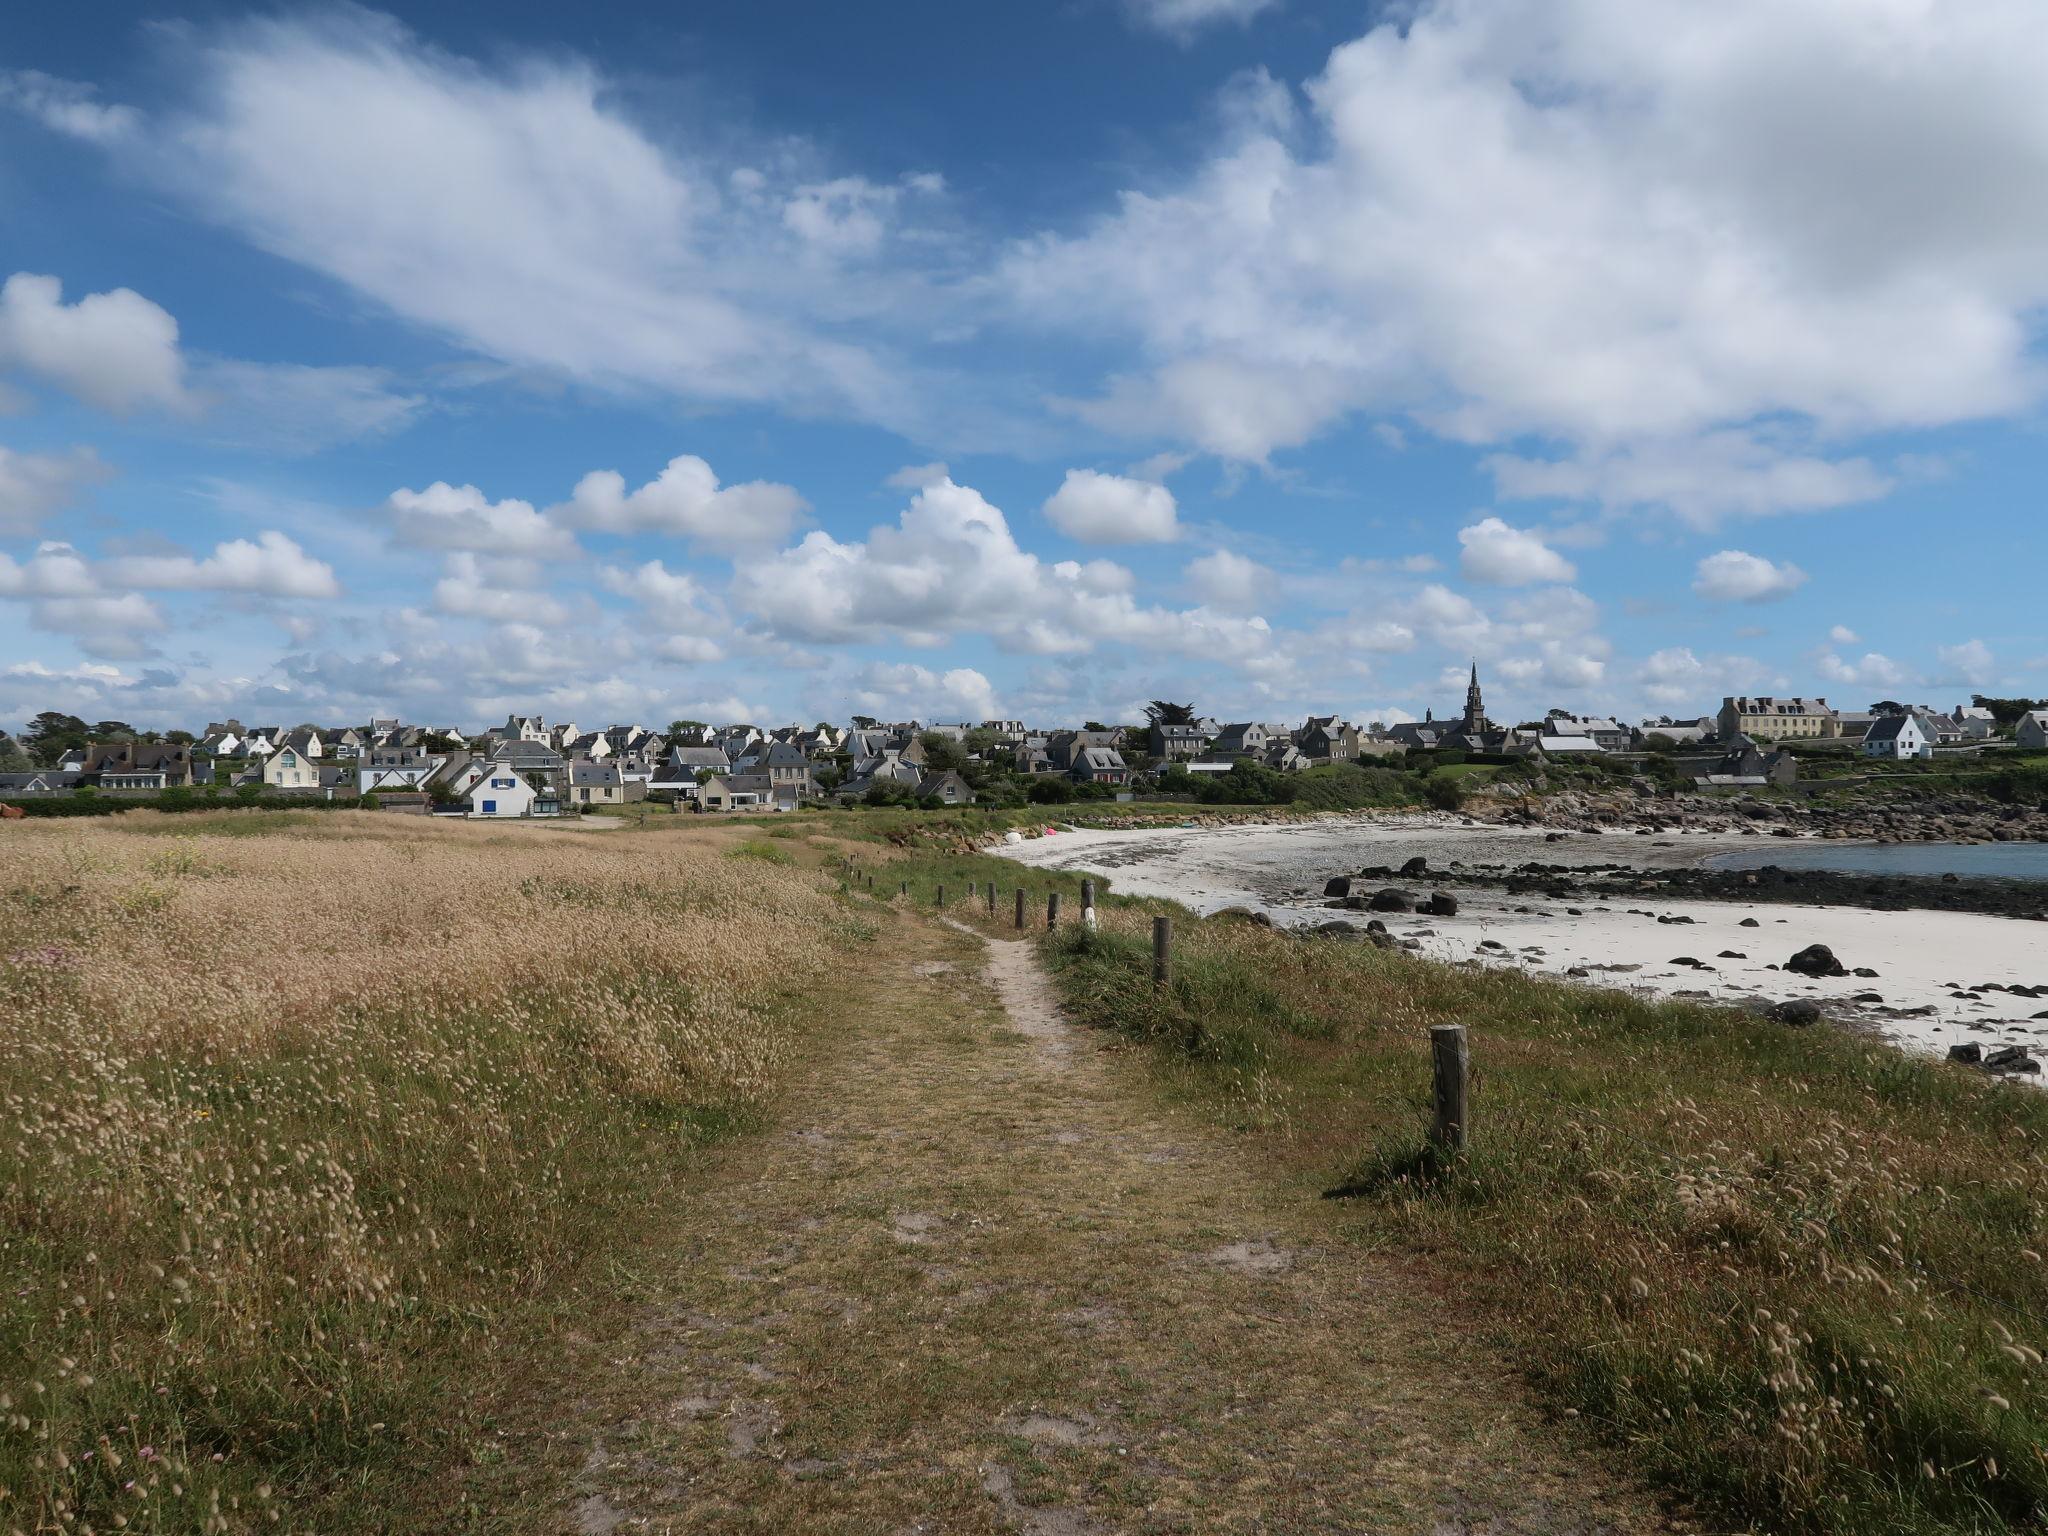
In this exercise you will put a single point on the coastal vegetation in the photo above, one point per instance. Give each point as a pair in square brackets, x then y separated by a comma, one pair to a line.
[1797, 1275]
[319, 1126]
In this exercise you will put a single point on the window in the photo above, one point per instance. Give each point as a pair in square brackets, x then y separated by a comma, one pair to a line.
[490, 807]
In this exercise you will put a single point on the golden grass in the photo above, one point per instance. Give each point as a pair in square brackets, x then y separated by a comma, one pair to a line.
[295, 1122]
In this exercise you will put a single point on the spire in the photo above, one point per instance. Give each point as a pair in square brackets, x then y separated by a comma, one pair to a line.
[1475, 708]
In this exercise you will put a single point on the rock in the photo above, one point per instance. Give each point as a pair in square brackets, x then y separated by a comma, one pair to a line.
[1334, 931]
[1816, 960]
[1578, 971]
[1749, 922]
[1867, 997]
[1441, 904]
[1415, 866]
[1796, 1011]
[1674, 920]
[1970, 1053]
[1731, 954]
[2010, 1058]
[1392, 899]
[1375, 926]
[1245, 915]
[1339, 885]
[1698, 965]
[1865, 972]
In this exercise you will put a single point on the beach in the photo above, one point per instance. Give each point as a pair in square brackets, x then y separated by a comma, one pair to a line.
[1921, 959]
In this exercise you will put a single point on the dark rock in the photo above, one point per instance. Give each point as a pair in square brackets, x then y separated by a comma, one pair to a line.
[1675, 921]
[2010, 1058]
[1749, 922]
[1731, 954]
[1415, 866]
[1969, 1052]
[1865, 972]
[1339, 885]
[1698, 965]
[1816, 960]
[1441, 904]
[1392, 899]
[1868, 997]
[1578, 970]
[1375, 926]
[1797, 1010]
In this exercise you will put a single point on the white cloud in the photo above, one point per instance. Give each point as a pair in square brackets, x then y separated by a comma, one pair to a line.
[915, 477]
[1624, 226]
[1703, 479]
[502, 592]
[35, 485]
[1095, 508]
[1229, 581]
[1842, 634]
[1502, 556]
[272, 566]
[898, 689]
[115, 350]
[1735, 576]
[653, 585]
[295, 408]
[1970, 661]
[445, 516]
[65, 597]
[66, 107]
[1183, 18]
[685, 499]
[1873, 670]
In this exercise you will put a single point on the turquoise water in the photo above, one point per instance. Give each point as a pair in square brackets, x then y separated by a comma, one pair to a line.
[2005, 861]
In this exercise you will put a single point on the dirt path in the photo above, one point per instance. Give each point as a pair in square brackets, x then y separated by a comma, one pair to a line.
[981, 1281]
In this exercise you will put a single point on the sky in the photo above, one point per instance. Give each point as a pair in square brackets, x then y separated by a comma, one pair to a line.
[780, 363]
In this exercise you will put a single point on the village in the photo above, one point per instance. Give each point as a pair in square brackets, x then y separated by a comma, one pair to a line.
[528, 768]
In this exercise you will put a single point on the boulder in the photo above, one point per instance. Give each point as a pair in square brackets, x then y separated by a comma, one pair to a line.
[1816, 960]
[1415, 866]
[2010, 1058]
[1970, 1053]
[1392, 899]
[1796, 1011]
[1339, 885]
[1731, 954]
[1441, 904]
[1749, 922]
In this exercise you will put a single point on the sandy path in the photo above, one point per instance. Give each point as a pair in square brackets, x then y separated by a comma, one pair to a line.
[982, 1281]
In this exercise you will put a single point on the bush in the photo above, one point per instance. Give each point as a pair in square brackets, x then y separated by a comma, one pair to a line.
[1047, 789]
[1444, 792]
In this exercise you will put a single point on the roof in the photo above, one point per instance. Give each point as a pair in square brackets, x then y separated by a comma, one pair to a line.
[1888, 727]
[599, 775]
[1099, 757]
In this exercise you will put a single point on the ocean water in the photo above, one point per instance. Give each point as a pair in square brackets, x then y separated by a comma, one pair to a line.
[2006, 861]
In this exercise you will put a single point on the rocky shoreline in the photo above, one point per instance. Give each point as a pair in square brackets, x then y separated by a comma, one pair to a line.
[1932, 818]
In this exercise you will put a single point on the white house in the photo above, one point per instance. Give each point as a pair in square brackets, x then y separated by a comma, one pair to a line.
[1977, 722]
[289, 769]
[502, 792]
[1898, 736]
[2032, 730]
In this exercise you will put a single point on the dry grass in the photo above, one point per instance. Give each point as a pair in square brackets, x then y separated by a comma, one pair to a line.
[1794, 1272]
[296, 1125]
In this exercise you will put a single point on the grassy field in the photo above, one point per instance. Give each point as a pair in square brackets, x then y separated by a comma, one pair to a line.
[1796, 1275]
[318, 1126]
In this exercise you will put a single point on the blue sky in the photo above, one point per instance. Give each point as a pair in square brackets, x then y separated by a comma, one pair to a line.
[737, 361]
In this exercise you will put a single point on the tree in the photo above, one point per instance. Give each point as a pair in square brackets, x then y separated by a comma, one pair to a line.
[2007, 711]
[113, 730]
[864, 722]
[51, 734]
[1887, 707]
[180, 738]
[1657, 741]
[1049, 789]
[1444, 791]
[942, 754]
[1165, 712]
[685, 727]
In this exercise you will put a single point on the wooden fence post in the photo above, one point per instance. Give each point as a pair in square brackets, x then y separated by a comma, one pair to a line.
[940, 900]
[1087, 903]
[1052, 910]
[903, 888]
[1162, 951]
[991, 898]
[1020, 907]
[1452, 1061]
[970, 890]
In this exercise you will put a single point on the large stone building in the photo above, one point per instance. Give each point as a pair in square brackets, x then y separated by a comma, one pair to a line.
[1768, 719]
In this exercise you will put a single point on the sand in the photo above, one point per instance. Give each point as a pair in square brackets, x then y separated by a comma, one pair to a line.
[1922, 959]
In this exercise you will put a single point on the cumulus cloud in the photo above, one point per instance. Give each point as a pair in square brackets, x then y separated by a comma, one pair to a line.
[1873, 669]
[1842, 634]
[1229, 581]
[35, 485]
[270, 566]
[66, 107]
[503, 592]
[1735, 576]
[1501, 556]
[115, 350]
[1969, 662]
[452, 517]
[898, 689]
[685, 499]
[1722, 218]
[1095, 508]
[950, 565]
[915, 477]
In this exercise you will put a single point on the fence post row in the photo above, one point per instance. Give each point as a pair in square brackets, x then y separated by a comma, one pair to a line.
[1451, 1058]
[1162, 950]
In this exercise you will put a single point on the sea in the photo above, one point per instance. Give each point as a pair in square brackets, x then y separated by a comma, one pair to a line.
[2001, 861]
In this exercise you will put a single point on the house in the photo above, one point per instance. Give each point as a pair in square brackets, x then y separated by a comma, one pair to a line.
[456, 775]
[387, 768]
[1975, 722]
[46, 781]
[1608, 734]
[1683, 733]
[1028, 759]
[138, 765]
[348, 743]
[602, 784]
[2032, 730]
[947, 788]
[1283, 756]
[788, 770]
[1065, 747]
[305, 741]
[504, 792]
[1100, 765]
[537, 762]
[1416, 735]
[1247, 739]
[289, 771]
[1899, 736]
[737, 792]
[1769, 719]
[1326, 739]
[221, 743]
[1176, 743]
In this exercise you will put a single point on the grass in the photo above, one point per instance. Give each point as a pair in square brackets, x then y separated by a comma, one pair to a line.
[1796, 1274]
[293, 1187]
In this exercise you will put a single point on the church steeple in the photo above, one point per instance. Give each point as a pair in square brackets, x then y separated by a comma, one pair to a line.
[1475, 707]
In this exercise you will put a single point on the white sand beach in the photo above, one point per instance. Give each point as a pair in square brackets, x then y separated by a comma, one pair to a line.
[1921, 958]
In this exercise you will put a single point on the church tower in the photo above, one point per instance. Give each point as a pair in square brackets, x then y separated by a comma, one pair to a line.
[1475, 709]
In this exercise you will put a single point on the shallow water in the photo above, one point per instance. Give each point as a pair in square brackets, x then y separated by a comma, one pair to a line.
[2006, 861]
